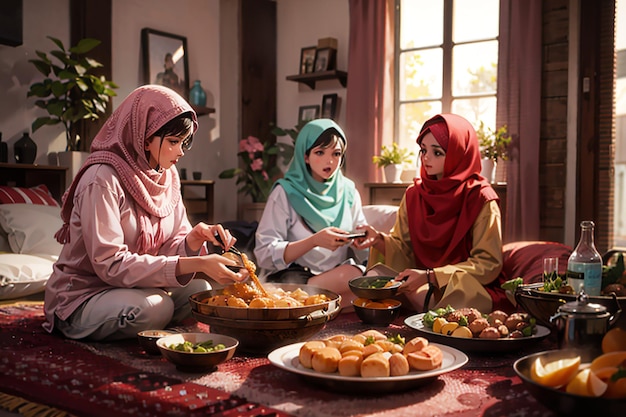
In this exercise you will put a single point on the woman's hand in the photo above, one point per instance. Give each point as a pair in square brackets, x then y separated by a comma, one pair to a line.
[331, 238]
[412, 280]
[203, 232]
[212, 265]
[372, 238]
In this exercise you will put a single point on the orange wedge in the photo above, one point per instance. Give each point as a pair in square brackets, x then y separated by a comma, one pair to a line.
[616, 358]
[587, 384]
[556, 373]
[615, 389]
[614, 340]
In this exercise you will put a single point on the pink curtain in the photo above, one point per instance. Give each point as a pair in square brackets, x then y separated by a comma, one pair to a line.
[519, 103]
[369, 115]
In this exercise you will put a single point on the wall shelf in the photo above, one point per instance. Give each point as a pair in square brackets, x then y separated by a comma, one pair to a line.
[311, 78]
[201, 110]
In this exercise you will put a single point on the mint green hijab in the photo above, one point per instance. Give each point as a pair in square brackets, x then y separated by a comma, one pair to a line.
[321, 204]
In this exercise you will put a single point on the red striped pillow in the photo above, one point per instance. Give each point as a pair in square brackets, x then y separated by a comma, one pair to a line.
[19, 195]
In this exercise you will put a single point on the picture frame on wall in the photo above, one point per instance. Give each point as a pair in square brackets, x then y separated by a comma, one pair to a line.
[307, 59]
[165, 60]
[308, 113]
[325, 59]
[329, 106]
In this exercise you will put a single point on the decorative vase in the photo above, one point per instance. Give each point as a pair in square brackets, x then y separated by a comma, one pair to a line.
[4, 150]
[25, 150]
[197, 96]
[393, 173]
[488, 169]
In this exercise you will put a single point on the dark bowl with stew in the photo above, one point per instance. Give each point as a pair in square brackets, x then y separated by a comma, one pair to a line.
[377, 312]
[374, 288]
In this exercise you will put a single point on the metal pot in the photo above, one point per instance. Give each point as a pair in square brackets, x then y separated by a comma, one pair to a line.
[582, 325]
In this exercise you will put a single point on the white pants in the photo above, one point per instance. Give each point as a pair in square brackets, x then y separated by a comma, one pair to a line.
[121, 313]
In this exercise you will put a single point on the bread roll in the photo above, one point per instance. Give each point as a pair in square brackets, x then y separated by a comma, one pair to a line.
[351, 344]
[398, 364]
[236, 302]
[371, 349]
[307, 350]
[375, 366]
[326, 360]
[374, 333]
[426, 359]
[414, 345]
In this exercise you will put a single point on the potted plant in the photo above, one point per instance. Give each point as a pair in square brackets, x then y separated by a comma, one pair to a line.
[391, 159]
[493, 147]
[260, 170]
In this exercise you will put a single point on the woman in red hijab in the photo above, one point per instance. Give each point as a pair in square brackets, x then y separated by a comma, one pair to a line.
[447, 240]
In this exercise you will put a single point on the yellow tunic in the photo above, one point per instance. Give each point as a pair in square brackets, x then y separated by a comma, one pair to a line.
[462, 283]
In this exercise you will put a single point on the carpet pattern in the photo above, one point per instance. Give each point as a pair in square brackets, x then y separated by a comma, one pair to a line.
[99, 379]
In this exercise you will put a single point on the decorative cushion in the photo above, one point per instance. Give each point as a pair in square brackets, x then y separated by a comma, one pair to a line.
[525, 259]
[19, 195]
[23, 275]
[30, 228]
[381, 217]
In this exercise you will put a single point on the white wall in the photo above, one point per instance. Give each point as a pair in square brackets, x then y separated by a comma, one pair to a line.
[211, 29]
[300, 23]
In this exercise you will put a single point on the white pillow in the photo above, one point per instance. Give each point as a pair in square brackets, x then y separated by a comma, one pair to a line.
[30, 228]
[381, 217]
[23, 275]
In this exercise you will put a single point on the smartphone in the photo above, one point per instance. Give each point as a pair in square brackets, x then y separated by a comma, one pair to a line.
[355, 235]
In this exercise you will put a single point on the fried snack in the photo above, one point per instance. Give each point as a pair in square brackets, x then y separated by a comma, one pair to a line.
[375, 366]
[325, 360]
[350, 365]
[306, 352]
[429, 357]
[415, 344]
[236, 302]
[262, 302]
[398, 364]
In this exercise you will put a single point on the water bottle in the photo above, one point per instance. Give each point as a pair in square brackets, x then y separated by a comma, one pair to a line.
[584, 267]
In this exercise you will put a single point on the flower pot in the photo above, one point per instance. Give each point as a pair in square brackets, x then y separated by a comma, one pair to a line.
[393, 173]
[488, 169]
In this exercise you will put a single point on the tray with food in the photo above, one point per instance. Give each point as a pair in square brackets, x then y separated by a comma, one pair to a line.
[368, 363]
[472, 331]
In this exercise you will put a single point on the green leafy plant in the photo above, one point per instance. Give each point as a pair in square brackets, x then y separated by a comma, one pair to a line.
[70, 92]
[259, 171]
[392, 155]
[493, 144]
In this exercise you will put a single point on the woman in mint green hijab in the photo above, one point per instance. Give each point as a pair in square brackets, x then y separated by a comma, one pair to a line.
[304, 234]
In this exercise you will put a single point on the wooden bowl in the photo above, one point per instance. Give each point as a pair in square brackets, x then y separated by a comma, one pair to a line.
[197, 362]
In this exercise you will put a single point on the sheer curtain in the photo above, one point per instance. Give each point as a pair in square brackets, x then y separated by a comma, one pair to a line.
[519, 104]
[369, 109]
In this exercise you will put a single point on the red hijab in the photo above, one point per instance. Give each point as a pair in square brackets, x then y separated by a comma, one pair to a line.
[442, 212]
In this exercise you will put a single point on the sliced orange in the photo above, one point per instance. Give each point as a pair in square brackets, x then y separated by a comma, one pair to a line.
[616, 358]
[614, 340]
[587, 384]
[615, 389]
[556, 373]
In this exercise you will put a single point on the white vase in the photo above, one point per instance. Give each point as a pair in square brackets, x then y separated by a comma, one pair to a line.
[488, 169]
[393, 173]
[73, 160]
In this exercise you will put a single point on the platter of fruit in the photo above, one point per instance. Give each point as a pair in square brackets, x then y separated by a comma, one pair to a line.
[470, 330]
[369, 362]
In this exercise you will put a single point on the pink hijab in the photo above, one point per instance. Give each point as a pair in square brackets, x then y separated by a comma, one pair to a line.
[120, 144]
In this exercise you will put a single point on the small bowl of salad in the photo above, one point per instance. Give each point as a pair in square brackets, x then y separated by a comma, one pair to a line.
[197, 352]
[374, 288]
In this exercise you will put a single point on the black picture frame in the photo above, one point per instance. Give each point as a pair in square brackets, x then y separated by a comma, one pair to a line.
[307, 59]
[324, 59]
[158, 47]
[329, 106]
[308, 113]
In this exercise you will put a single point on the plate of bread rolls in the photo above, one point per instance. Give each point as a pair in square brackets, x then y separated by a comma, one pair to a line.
[369, 362]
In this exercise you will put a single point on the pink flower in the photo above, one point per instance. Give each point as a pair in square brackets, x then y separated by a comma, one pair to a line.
[251, 145]
[265, 176]
[257, 165]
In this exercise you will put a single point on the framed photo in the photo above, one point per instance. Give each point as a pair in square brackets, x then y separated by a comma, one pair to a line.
[329, 106]
[325, 59]
[307, 59]
[165, 60]
[308, 113]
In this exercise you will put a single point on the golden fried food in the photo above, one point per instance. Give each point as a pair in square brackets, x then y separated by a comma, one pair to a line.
[262, 302]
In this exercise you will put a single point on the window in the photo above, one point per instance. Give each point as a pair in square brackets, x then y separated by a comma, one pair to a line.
[447, 62]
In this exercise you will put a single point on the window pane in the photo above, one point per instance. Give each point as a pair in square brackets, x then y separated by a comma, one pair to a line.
[421, 23]
[475, 20]
[411, 118]
[421, 74]
[476, 110]
[475, 68]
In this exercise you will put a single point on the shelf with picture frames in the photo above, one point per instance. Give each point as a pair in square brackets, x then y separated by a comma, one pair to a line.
[311, 78]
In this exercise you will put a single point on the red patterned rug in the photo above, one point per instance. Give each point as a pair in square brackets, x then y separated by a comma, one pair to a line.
[97, 379]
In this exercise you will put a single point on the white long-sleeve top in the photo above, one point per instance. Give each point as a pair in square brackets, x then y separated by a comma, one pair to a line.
[280, 224]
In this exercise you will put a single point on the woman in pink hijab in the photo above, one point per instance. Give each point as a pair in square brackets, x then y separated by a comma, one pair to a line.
[130, 255]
